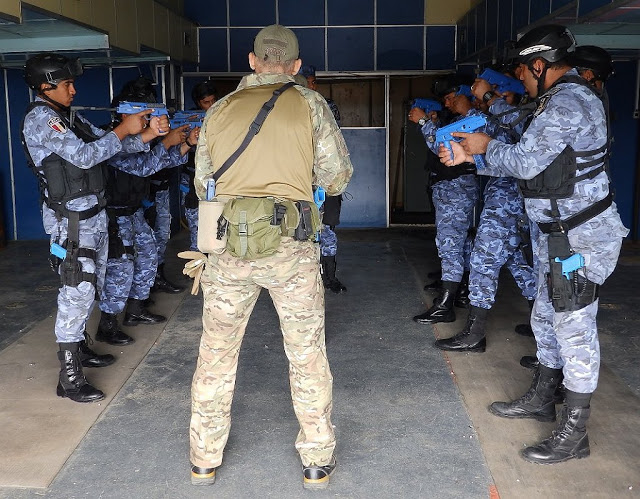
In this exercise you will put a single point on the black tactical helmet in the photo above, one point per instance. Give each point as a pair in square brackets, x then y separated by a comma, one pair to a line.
[594, 58]
[550, 42]
[50, 68]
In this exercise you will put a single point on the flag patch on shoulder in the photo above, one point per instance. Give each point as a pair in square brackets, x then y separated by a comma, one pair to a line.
[57, 124]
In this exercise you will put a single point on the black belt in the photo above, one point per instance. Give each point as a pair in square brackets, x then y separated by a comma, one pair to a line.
[577, 219]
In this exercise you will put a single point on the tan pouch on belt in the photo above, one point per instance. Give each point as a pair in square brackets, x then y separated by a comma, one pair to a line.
[212, 227]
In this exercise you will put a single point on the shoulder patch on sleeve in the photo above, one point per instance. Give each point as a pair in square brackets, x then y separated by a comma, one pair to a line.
[56, 123]
[544, 100]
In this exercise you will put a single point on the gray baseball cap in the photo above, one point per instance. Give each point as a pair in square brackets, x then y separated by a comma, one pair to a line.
[276, 43]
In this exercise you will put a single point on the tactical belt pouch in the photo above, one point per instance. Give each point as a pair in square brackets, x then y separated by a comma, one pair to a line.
[250, 232]
[567, 294]
[310, 223]
[212, 229]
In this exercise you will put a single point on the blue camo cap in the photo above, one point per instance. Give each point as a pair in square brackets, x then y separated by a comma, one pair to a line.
[307, 71]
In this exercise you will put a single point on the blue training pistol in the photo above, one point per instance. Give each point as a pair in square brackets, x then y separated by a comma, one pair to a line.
[427, 105]
[571, 264]
[191, 118]
[135, 107]
[468, 125]
[319, 196]
[502, 82]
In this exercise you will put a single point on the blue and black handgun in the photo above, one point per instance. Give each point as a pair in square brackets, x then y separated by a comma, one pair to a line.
[502, 82]
[427, 105]
[191, 118]
[135, 107]
[468, 125]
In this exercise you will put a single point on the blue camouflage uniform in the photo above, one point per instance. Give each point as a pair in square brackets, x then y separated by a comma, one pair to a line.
[453, 201]
[189, 201]
[497, 241]
[568, 115]
[131, 274]
[45, 134]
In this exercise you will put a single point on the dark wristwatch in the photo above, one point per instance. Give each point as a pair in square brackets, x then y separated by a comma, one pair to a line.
[488, 96]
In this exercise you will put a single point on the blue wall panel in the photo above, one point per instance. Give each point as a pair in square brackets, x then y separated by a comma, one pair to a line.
[297, 13]
[365, 206]
[471, 31]
[404, 12]
[213, 49]
[586, 6]
[556, 4]
[29, 220]
[441, 47]
[481, 26]
[539, 9]
[400, 48]
[213, 13]
[505, 11]
[492, 22]
[311, 41]
[241, 45]
[6, 204]
[350, 49]
[252, 13]
[520, 14]
[350, 12]
[621, 89]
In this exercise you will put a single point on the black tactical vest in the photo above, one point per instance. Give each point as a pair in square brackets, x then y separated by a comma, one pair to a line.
[558, 180]
[61, 181]
[125, 190]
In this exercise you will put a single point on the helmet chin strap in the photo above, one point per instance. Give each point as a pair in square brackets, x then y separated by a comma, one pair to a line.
[540, 79]
[42, 94]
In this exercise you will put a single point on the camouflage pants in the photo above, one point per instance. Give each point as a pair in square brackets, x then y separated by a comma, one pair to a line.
[328, 241]
[569, 340]
[76, 303]
[231, 287]
[497, 244]
[130, 276]
[162, 229]
[453, 201]
[190, 214]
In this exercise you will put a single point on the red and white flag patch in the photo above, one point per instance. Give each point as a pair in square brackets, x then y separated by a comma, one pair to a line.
[57, 124]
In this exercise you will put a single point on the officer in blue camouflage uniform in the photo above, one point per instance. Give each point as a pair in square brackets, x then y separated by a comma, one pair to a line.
[497, 241]
[204, 94]
[562, 161]
[298, 146]
[132, 261]
[331, 208]
[158, 214]
[67, 154]
[454, 198]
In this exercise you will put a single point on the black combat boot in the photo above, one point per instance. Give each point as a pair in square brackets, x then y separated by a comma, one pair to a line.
[137, 313]
[462, 295]
[89, 358]
[71, 382]
[472, 337]
[109, 332]
[569, 440]
[538, 402]
[525, 329]
[163, 285]
[329, 278]
[442, 310]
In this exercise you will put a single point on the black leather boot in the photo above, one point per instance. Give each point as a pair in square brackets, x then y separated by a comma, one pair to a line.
[462, 295]
[71, 382]
[529, 361]
[442, 310]
[163, 285]
[569, 440]
[472, 337]
[109, 332]
[525, 329]
[137, 313]
[329, 278]
[538, 402]
[434, 286]
[89, 358]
